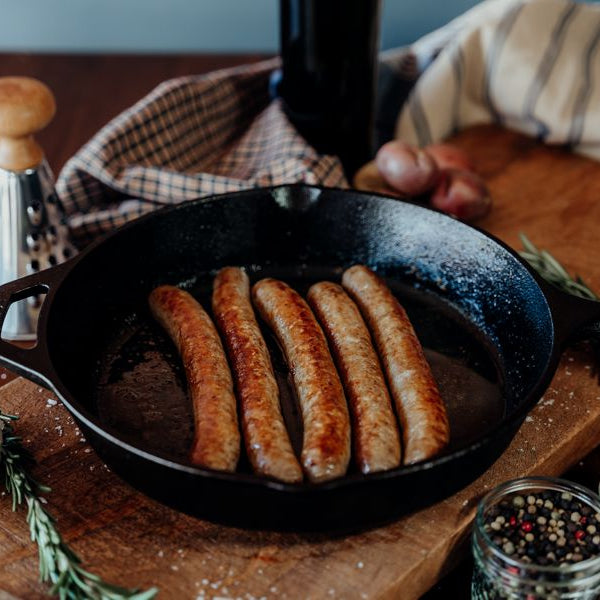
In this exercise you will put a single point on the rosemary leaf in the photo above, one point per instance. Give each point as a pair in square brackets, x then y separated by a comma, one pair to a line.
[556, 267]
[551, 270]
[529, 247]
[59, 565]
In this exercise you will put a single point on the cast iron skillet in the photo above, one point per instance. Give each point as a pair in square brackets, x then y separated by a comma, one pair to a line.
[492, 329]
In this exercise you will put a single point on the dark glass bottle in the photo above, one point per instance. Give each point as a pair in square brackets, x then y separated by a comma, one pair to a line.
[329, 52]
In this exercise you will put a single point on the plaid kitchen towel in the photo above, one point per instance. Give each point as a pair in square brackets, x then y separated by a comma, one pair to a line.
[190, 137]
[532, 66]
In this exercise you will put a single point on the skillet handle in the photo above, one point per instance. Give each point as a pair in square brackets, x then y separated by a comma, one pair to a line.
[575, 318]
[31, 362]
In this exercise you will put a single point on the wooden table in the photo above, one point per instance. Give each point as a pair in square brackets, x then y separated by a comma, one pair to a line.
[549, 194]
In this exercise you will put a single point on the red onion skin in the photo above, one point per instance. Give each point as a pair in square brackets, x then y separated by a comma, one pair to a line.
[406, 168]
[447, 156]
[462, 194]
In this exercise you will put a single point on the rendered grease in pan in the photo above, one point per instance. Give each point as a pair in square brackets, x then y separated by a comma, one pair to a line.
[141, 388]
[142, 393]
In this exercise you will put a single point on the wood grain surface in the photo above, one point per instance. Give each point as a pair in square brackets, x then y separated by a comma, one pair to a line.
[550, 194]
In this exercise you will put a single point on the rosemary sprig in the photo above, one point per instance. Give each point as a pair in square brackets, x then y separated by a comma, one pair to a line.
[551, 270]
[59, 565]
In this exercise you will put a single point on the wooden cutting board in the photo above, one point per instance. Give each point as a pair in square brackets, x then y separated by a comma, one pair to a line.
[551, 195]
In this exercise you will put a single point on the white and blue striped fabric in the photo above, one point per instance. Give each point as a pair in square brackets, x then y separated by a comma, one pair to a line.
[532, 66]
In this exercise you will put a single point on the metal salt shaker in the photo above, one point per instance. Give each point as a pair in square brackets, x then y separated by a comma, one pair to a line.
[33, 235]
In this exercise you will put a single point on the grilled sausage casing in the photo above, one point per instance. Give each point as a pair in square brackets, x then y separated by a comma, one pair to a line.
[217, 437]
[422, 413]
[326, 441]
[267, 442]
[375, 431]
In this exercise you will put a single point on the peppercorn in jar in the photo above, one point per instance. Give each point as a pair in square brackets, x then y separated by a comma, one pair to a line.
[535, 538]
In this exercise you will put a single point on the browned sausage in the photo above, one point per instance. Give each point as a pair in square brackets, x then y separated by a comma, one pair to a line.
[217, 437]
[375, 431]
[267, 442]
[326, 441]
[421, 410]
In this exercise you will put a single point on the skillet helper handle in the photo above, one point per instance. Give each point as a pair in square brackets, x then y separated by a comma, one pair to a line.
[31, 362]
[575, 318]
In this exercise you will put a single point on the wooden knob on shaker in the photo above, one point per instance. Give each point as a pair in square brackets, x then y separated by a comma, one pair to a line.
[26, 106]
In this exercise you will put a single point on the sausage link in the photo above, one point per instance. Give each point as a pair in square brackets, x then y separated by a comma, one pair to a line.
[267, 442]
[425, 428]
[217, 438]
[326, 441]
[375, 431]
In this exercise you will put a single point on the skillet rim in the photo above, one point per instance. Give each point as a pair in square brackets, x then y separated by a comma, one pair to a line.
[507, 423]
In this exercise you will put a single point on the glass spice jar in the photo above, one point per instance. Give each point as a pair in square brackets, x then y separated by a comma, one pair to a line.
[534, 538]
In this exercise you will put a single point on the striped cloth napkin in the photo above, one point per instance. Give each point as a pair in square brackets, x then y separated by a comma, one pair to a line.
[533, 66]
